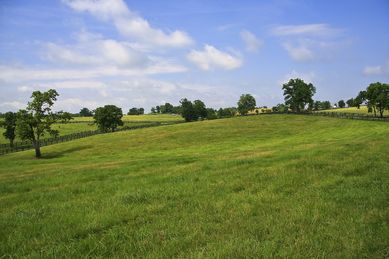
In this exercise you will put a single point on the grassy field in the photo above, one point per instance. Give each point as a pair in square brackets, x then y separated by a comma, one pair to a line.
[133, 120]
[361, 110]
[256, 186]
[146, 117]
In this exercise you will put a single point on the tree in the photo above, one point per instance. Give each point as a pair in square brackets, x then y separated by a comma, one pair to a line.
[298, 94]
[108, 118]
[317, 105]
[153, 110]
[158, 109]
[167, 108]
[133, 111]
[36, 120]
[246, 103]
[86, 112]
[141, 111]
[188, 111]
[200, 109]
[350, 102]
[377, 97]
[9, 124]
[341, 104]
[211, 114]
[360, 99]
[326, 105]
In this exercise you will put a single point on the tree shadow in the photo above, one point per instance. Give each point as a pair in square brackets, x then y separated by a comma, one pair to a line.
[57, 154]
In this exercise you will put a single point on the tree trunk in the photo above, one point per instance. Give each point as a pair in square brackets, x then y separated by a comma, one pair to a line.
[11, 143]
[375, 113]
[37, 148]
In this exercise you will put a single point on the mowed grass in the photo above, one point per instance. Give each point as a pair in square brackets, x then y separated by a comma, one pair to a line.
[244, 187]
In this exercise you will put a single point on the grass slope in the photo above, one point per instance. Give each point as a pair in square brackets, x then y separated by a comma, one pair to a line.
[145, 117]
[258, 186]
[361, 110]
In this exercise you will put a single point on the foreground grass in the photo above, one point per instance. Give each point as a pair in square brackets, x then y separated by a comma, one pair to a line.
[258, 186]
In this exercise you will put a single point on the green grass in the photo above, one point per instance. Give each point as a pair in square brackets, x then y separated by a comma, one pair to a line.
[132, 120]
[256, 186]
[361, 110]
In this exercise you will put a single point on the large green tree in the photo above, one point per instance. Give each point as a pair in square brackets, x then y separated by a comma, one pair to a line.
[108, 118]
[9, 124]
[246, 103]
[188, 111]
[377, 97]
[36, 120]
[298, 94]
[200, 109]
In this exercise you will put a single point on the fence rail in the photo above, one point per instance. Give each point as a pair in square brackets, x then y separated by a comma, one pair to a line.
[343, 115]
[25, 145]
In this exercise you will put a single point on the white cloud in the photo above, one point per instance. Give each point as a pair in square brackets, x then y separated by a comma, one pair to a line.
[129, 23]
[211, 58]
[12, 105]
[377, 70]
[299, 53]
[316, 29]
[307, 77]
[251, 41]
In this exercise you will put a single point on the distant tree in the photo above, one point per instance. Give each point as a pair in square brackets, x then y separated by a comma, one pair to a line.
[158, 109]
[9, 124]
[133, 111]
[108, 118]
[141, 111]
[298, 94]
[350, 102]
[200, 109]
[246, 103]
[341, 104]
[36, 120]
[86, 112]
[167, 108]
[317, 105]
[188, 111]
[176, 109]
[360, 99]
[326, 105]
[211, 114]
[153, 110]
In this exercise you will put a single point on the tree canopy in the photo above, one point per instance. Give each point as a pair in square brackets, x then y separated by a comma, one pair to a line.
[38, 117]
[246, 103]
[9, 124]
[298, 94]
[86, 112]
[108, 118]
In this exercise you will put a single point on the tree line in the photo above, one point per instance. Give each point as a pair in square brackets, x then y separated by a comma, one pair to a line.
[36, 120]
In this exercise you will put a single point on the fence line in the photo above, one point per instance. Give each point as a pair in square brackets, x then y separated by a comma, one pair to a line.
[25, 145]
[343, 115]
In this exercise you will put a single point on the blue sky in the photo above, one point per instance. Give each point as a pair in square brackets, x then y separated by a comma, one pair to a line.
[145, 53]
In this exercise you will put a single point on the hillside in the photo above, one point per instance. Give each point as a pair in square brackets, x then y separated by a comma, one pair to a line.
[256, 186]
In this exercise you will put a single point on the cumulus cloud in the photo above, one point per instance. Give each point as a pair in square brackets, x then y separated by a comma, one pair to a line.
[316, 29]
[129, 23]
[377, 70]
[251, 41]
[211, 58]
[299, 53]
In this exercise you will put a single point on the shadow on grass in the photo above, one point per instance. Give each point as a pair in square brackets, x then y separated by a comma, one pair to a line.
[57, 154]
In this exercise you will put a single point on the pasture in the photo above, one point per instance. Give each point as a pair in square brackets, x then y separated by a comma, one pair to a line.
[255, 186]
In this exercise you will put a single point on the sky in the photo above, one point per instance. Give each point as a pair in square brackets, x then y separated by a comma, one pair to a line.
[147, 52]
